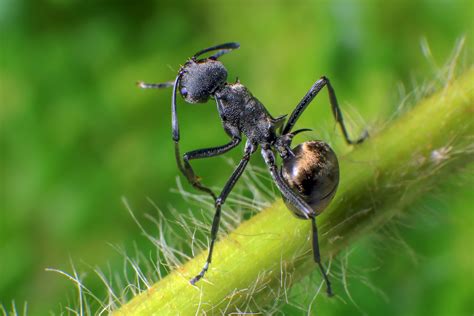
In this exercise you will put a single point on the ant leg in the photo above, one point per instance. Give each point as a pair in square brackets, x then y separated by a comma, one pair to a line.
[317, 256]
[249, 150]
[188, 171]
[222, 49]
[336, 111]
[300, 204]
[175, 132]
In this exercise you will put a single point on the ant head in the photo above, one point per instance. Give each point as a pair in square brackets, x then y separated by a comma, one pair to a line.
[200, 79]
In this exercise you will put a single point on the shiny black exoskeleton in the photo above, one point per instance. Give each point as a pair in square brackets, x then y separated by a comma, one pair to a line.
[310, 174]
[313, 172]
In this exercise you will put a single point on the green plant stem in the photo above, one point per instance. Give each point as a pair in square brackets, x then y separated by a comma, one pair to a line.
[379, 179]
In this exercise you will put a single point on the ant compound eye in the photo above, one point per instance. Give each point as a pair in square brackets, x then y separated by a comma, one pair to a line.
[184, 92]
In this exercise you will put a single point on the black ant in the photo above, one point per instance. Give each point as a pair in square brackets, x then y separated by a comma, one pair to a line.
[310, 174]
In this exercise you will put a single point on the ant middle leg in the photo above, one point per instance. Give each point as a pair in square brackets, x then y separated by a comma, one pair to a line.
[249, 150]
[187, 170]
[336, 111]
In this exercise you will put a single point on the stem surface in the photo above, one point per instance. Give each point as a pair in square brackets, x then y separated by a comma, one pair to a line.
[379, 179]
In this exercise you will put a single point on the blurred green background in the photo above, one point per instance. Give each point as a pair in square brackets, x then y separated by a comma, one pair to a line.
[77, 134]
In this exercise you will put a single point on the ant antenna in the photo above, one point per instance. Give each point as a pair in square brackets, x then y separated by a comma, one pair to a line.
[222, 49]
[174, 116]
[162, 85]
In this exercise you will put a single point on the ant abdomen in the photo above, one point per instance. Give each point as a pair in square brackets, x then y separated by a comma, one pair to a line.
[312, 173]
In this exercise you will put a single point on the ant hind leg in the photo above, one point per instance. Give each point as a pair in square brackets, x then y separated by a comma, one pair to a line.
[336, 111]
[298, 202]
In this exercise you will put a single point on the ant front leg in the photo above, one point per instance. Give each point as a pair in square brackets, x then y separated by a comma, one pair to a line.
[297, 201]
[336, 111]
[203, 153]
[249, 150]
[187, 170]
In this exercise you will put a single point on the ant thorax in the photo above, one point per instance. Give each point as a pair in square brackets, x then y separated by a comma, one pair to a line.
[240, 110]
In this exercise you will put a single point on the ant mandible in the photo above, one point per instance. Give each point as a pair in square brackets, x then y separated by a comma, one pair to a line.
[310, 174]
